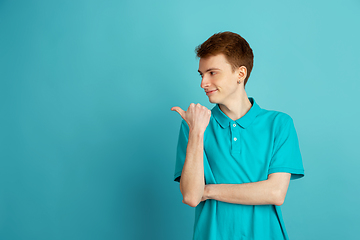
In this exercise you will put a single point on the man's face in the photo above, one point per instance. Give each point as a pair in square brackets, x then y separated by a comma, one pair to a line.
[218, 80]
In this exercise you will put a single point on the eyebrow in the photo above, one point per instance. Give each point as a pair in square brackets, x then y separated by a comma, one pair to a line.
[210, 69]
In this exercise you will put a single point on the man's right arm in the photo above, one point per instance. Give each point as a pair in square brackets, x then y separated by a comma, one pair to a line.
[192, 181]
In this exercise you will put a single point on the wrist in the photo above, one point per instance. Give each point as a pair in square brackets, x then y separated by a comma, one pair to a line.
[208, 191]
[197, 132]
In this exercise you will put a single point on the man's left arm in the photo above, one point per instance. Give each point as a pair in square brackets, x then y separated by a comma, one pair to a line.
[271, 191]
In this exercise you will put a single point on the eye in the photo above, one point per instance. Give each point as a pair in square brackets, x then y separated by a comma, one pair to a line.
[212, 73]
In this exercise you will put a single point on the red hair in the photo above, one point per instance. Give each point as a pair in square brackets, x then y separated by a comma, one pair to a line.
[235, 48]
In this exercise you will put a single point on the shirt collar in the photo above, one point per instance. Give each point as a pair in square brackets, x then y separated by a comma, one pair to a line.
[244, 121]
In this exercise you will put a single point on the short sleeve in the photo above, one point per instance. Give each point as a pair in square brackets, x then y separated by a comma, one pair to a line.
[181, 150]
[286, 155]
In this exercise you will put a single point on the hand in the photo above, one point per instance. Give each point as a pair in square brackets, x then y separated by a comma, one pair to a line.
[196, 116]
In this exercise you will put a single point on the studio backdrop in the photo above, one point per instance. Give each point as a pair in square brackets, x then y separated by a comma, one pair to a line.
[87, 138]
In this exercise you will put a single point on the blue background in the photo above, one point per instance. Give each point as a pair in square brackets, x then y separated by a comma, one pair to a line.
[88, 141]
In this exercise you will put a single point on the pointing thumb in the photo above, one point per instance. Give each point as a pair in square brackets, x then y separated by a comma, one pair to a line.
[179, 110]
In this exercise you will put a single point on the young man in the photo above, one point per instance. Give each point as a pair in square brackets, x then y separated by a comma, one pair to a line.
[234, 163]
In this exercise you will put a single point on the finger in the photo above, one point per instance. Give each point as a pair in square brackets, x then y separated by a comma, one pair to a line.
[179, 110]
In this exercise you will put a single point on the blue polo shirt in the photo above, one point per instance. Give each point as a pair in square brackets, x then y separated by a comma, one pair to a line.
[242, 151]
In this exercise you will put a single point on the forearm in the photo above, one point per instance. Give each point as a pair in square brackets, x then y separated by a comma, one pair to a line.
[192, 177]
[270, 191]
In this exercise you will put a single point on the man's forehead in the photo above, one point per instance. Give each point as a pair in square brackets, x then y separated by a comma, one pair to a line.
[213, 62]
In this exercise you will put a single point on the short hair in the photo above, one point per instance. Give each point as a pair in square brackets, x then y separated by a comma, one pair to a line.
[235, 48]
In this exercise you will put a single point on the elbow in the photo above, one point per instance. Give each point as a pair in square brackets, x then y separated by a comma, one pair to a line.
[191, 198]
[279, 202]
[192, 202]
[278, 198]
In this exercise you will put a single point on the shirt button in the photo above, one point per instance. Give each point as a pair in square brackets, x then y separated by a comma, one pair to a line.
[234, 125]
[235, 139]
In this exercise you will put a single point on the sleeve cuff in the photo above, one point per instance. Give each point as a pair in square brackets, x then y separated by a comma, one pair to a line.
[177, 177]
[295, 173]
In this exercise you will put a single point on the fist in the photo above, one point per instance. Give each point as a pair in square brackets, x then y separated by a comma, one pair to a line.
[196, 116]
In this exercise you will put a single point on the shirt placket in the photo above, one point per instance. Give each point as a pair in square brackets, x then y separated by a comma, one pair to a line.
[235, 138]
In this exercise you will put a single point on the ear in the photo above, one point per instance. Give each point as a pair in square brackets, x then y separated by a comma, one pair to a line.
[242, 73]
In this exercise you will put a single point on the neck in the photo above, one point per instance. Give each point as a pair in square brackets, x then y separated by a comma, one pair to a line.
[236, 108]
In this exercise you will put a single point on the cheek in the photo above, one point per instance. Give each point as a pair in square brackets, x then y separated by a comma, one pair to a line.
[233, 81]
[219, 79]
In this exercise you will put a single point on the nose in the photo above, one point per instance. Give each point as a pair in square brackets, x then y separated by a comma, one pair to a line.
[204, 82]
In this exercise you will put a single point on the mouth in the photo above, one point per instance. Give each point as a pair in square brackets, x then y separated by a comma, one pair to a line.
[210, 92]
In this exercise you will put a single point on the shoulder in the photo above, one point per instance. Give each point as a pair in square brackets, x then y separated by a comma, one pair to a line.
[274, 115]
[184, 127]
[184, 124]
[275, 119]
[183, 131]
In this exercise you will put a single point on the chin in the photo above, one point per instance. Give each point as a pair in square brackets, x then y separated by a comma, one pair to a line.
[213, 101]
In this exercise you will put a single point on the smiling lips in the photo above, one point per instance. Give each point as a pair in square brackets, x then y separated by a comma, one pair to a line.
[210, 92]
